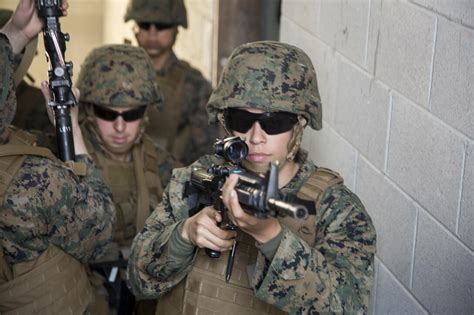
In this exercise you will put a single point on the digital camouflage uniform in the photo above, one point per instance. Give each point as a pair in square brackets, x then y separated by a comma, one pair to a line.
[30, 100]
[52, 221]
[181, 126]
[117, 76]
[323, 264]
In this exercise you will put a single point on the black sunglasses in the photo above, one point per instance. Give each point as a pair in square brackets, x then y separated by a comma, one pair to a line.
[271, 122]
[111, 115]
[159, 26]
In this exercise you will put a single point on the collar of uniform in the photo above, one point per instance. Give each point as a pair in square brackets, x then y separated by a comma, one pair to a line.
[306, 168]
[169, 63]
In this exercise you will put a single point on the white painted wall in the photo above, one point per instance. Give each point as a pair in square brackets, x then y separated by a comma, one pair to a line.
[397, 84]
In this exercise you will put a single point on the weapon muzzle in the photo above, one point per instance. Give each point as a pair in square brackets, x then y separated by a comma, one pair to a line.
[285, 208]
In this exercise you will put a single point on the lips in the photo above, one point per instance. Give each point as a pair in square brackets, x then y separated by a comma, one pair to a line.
[119, 140]
[258, 157]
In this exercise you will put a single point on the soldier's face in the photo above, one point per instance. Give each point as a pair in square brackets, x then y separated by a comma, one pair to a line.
[155, 41]
[119, 135]
[264, 148]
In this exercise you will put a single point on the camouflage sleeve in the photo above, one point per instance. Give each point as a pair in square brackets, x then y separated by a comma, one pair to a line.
[148, 271]
[7, 85]
[202, 135]
[47, 204]
[334, 276]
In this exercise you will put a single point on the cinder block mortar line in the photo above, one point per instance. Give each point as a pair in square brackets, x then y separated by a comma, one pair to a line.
[351, 62]
[415, 202]
[367, 33]
[415, 231]
[405, 289]
[445, 229]
[356, 164]
[440, 14]
[463, 168]
[387, 137]
[435, 33]
[328, 46]
[458, 133]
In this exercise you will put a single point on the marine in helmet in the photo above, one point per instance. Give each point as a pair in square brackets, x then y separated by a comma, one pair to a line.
[181, 125]
[53, 218]
[267, 95]
[118, 84]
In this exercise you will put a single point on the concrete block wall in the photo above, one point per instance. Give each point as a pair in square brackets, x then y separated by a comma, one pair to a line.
[396, 79]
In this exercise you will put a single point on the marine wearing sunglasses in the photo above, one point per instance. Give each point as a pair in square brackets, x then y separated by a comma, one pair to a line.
[111, 115]
[272, 123]
[159, 26]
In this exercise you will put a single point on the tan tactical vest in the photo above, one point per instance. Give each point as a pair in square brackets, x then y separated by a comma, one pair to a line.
[204, 290]
[163, 126]
[53, 283]
[135, 186]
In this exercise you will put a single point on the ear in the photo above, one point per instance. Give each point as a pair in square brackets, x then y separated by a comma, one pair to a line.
[135, 29]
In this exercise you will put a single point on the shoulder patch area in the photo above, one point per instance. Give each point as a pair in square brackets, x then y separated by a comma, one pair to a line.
[317, 184]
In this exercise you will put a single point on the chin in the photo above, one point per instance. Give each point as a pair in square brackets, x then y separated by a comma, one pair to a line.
[153, 52]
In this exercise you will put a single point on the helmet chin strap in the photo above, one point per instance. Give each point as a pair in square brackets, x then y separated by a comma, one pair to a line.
[295, 141]
[293, 146]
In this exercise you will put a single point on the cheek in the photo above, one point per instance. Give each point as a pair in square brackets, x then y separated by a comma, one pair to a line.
[167, 37]
[103, 126]
[140, 36]
[134, 127]
[280, 142]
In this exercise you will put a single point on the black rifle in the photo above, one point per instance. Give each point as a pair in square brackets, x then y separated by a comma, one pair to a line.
[59, 75]
[259, 196]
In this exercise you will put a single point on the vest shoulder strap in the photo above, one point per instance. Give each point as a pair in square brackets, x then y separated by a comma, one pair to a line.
[318, 183]
[12, 156]
[313, 191]
[150, 154]
[18, 136]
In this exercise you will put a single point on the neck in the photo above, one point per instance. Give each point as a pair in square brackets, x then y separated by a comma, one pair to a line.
[286, 173]
[160, 60]
[120, 157]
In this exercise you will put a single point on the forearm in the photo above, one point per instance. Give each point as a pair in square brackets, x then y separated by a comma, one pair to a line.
[152, 268]
[7, 85]
[18, 40]
[79, 144]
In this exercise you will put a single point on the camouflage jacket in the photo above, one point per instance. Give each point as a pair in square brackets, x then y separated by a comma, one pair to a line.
[46, 203]
[181, 126]
[333, 275]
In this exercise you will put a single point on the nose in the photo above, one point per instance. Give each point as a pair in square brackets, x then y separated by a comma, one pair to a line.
[119, 124]
[152, 30]
[257, 135]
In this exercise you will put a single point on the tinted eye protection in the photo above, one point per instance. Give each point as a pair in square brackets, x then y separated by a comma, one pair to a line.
[111, 115]
[271, 122]
[159, 26]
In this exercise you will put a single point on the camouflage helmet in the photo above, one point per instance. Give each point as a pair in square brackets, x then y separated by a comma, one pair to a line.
[119, 76]
[270, 76]
[160, 11]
